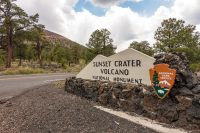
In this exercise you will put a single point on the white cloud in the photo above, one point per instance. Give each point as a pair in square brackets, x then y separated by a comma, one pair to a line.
[125, 25]
[50, 12]
[188, 10]
[198, 27]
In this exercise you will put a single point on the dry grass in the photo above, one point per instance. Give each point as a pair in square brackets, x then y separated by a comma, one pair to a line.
[23, 70]
[34, 68]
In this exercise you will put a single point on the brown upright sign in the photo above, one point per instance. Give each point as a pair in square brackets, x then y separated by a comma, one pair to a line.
[162, 79]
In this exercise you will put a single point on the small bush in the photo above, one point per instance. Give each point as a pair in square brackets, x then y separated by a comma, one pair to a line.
[74, 68]
[195, 67]
[23, 70]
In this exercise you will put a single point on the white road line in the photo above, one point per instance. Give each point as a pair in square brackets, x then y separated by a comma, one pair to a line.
[30, 77]
[142, 121]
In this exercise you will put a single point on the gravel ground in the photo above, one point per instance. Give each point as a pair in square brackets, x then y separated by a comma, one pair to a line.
[49, 110]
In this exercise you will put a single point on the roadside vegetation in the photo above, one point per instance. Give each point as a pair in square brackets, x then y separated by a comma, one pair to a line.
[23, 70]
[27, 47]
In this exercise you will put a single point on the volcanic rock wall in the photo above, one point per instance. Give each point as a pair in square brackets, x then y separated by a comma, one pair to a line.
[180, 108]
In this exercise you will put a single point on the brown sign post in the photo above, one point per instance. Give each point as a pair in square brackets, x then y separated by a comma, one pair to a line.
[162, 79]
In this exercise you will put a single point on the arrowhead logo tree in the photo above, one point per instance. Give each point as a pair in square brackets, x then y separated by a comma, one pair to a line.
[162, 79]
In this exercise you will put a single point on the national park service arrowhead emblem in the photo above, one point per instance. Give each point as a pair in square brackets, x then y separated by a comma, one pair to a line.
[162, 79]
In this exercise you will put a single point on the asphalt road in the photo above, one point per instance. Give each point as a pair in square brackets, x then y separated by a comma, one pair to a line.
[12, 85]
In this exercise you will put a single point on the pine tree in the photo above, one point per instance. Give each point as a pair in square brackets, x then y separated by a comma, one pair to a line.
[143, 47]
[155, 79]
[13, 19]
[101, 43]
[175, 34]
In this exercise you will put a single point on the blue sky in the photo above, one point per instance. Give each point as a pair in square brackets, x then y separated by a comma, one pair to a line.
[127, 20]
[84, 4]
[145, 7]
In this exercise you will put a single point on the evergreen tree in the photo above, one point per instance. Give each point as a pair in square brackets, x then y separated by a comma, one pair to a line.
[175, 34]
[13, 19]
[143, 47]
[75, 53]
[155, 78]
[37, 35]
[101, 43]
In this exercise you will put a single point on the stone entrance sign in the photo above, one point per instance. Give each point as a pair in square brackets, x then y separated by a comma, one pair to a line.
[128, 66]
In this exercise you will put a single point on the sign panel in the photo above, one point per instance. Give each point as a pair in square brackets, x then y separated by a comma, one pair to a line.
[128, 66]
[162, 79]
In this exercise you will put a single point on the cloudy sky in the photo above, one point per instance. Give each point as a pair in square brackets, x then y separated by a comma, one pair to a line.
[127, 20]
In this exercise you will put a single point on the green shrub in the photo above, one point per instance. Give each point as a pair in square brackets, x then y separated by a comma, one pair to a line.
[195, 67]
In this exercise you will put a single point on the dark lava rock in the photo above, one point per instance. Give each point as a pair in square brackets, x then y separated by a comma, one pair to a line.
[184, 77]
[136, 106]
[184, 102]
[185, 92]
[116, 92]
[113, 101]
[196, 90]
[167, 112]
[194, 113]
[126, 93]
[103, 98]
[124, 104]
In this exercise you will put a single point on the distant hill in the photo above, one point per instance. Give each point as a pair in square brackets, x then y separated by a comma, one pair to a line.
[54, 37]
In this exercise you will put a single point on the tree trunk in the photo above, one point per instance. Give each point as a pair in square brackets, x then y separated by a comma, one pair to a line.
[39, 51]
[9, 56]
[20, 61]
[9, 48]
[20, 56]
